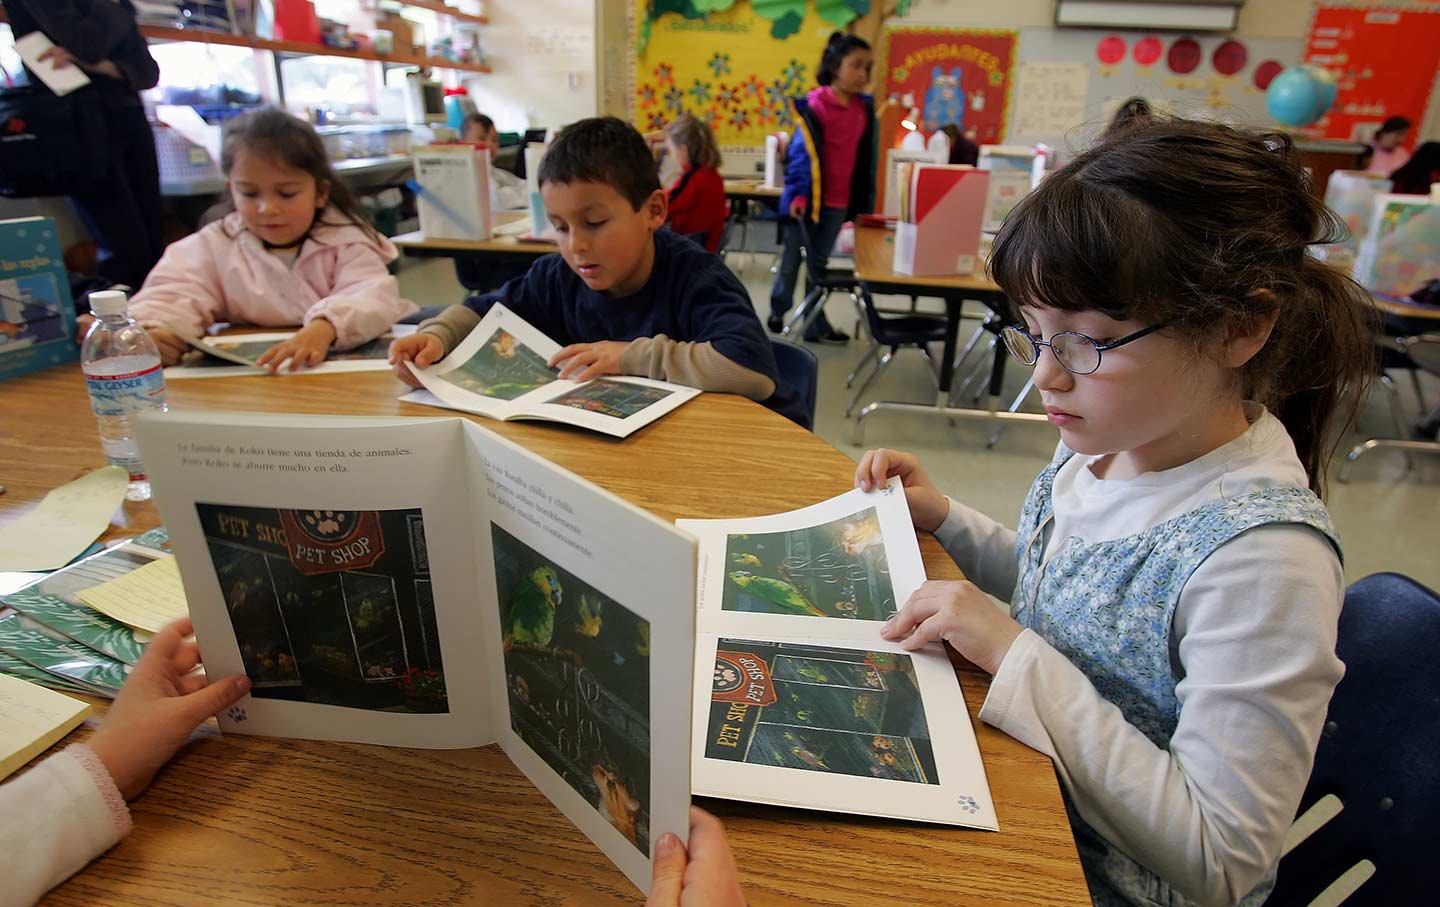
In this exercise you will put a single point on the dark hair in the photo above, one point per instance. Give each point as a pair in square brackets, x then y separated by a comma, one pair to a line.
[1183, 222]
[962, 150]
[275, 134]
[697, 138]
[481, 119]
[1134, 112]
[840, 46]
[1415, 175]
[603, 150]
[1393, 124]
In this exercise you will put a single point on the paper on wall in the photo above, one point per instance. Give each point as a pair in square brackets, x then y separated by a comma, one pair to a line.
[1050, 98]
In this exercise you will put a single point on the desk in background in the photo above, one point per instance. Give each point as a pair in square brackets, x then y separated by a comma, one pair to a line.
[481, 265]
[262, 821]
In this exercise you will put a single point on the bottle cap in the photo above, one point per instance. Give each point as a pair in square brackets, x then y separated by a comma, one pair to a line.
[108, 302]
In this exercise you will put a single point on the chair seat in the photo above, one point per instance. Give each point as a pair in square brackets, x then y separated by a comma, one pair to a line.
[906, 329]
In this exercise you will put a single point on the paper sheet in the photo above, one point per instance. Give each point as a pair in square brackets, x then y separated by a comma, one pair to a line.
[60, 81]
[192, 126]
[1051, 98]
[147, 598]
[31, 719]
[65, 523]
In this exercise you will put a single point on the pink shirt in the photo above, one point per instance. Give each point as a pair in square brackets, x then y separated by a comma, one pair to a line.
[843, 126]
[1387, 162]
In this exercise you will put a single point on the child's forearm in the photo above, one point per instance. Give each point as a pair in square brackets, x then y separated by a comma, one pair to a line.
[695, 365]
[451, 326]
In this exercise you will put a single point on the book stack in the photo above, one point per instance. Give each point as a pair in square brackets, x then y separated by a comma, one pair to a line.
[941, 209]
[1401, 249]
[37, 317]
[452, 185]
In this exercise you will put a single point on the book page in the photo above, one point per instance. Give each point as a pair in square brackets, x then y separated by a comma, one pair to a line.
[330, 559]
[32, 718]
[235, 354]
[147, 598]
[590, 605]
[502, 360]
[613, 405]
[837, 569]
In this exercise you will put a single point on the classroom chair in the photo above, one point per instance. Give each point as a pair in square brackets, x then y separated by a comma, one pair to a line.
[1371, 811]
[1413, 354]
[801, 370]
[894, 332]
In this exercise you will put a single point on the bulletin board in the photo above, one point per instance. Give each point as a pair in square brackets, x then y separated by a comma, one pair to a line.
[1384, 60]
[1068, 82]
[728, 69]
[959, 76]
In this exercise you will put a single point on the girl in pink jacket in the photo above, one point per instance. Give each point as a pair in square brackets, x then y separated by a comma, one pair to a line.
[296, 249]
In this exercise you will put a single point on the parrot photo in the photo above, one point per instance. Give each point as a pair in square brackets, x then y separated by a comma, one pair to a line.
[785, 596]
[530, 619]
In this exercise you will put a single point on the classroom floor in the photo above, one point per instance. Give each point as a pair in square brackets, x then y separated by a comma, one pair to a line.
[1386, 516]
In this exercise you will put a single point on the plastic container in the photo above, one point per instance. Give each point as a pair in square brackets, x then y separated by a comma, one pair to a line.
[124, 377]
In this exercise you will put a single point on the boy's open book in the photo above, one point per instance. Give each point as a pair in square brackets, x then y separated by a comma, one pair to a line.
[499, 370]
[424, 582]
[238, 354]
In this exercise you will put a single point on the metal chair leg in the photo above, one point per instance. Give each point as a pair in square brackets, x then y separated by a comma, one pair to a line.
[1397, 414]
[1014, 407]
[869, 355]
[979, 368]
[1419, 391]
[801, 316]
[869, 380]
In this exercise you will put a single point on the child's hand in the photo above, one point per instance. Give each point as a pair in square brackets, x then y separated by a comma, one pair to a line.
[82, 327]
[798, 204]
[583, 361]
[707, 878]
[960, 614]
[171, 346]
[159, 705]
[308, 347]
[422, 349]
[928, 507]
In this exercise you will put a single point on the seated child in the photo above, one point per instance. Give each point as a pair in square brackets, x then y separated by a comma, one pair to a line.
[507, 191]
[296, 249]
[697, 200]
[625, 296]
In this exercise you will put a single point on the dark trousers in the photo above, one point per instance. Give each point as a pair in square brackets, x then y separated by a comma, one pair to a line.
[124, 214]
[818, 239]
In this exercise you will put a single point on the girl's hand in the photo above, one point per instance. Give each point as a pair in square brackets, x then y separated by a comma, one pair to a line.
[798, 204]
[928, 507]
[960, 614]
[158, 707]
[171, 346]
[308, 347]
[583, 361]
[706, 877]
[421, 349]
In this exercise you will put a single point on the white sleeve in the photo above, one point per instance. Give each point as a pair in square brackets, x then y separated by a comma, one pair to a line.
[1256, 626]
[983, 549]
[58, 816]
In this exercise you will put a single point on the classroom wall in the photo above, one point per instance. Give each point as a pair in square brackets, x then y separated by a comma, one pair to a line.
[1258, 18]
[543, 56]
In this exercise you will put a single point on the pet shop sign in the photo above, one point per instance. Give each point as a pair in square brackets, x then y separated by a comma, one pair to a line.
[329, 541]
[959, 76]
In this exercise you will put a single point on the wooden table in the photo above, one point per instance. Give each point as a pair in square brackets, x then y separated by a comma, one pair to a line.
[258, 821]
[480, 264]
[875, 272]
[752, 191]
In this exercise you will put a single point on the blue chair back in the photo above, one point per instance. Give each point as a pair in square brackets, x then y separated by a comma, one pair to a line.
[1379, 753]
[801, 370]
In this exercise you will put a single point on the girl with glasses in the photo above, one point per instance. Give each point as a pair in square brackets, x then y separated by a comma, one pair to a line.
[1175, 581]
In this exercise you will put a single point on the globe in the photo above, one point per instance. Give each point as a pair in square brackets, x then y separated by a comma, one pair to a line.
[1294, 98]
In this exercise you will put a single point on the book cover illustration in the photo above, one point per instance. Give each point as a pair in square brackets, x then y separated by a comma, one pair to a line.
[221, 357]
[502, 368]
[14, 667]
[819, 709]
[37, 316]
[616, 399]
[835, 569]
[33, 643]
[577, 670]
[330, 606]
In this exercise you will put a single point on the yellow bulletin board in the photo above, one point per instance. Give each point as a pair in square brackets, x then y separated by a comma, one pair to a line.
[728, 69]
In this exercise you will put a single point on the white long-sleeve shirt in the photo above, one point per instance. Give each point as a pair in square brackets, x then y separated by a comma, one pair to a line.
[1253, 646]
[54, 819]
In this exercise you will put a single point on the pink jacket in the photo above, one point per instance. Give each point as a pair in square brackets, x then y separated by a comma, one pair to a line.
[224, 273]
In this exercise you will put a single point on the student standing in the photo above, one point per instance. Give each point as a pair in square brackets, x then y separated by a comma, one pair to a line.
[829, 173]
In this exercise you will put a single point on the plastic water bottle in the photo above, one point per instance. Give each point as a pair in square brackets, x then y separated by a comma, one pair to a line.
[122, 371]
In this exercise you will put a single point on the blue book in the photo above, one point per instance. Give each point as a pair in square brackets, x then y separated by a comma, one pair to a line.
[37, 317]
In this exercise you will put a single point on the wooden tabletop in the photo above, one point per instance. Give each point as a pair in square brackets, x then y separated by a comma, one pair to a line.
[261, 821]
[510, 243]
[875, 260]
[751, 189]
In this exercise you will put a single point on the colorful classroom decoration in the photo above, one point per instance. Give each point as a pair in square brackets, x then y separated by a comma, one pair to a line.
[959, 76]
[1184, 57]
[1110, 50]
[1229, 58]
[1148, 51]
[1266, 72]
[1377, 56]
[1295, 97]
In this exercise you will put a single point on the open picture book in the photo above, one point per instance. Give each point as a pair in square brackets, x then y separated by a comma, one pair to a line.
[426, 583]
[798, 701]
[500, 370]
[238, 354]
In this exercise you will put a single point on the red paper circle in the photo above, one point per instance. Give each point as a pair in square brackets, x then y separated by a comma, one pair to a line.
[1148, 50]
[1184, 56]
[1265, 72]
[1111, 50]
[1229, 58]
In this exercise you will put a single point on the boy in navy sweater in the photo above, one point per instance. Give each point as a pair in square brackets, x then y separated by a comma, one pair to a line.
[623, 295]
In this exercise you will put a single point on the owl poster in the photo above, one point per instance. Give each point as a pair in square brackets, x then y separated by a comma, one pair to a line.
[952, 76]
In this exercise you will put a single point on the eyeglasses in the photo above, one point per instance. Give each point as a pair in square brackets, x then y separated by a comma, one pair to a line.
[1076, 352]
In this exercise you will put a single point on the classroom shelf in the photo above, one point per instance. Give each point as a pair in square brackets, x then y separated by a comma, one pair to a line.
[297, 47]
[437, 7]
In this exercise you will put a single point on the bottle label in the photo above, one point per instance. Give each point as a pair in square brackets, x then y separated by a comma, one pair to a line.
[119, 395]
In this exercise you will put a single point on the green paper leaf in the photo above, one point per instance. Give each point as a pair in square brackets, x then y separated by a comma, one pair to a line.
[786, 26]
[775, 10]
[838, 13]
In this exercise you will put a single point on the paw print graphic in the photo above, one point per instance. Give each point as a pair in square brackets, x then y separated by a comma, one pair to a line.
[236, 714]
[725, 675]
[968, 804]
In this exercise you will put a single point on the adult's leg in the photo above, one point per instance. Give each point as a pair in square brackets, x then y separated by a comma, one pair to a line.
[123, 214]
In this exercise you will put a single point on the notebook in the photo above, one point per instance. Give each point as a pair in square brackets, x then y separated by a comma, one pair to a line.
[32, 718]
